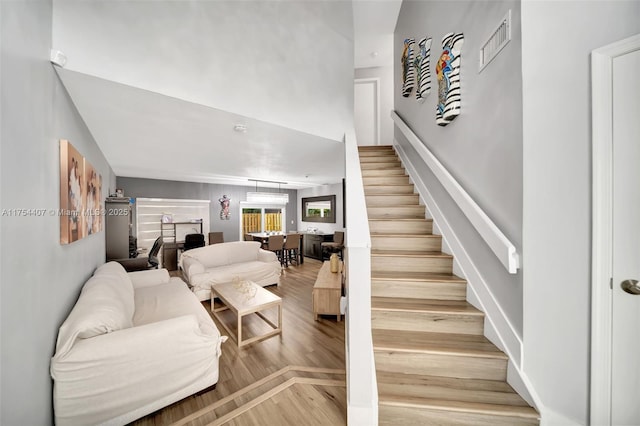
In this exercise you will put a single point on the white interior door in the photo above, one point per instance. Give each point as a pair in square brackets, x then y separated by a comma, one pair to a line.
[366, 112]
[615, 313]
[625, 354]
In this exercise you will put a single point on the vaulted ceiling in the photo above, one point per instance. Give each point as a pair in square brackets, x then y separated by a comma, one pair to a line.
[163, 94]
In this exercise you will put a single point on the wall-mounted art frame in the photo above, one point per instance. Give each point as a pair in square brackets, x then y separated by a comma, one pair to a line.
[319, 209]
[80, 196]
[448, 73]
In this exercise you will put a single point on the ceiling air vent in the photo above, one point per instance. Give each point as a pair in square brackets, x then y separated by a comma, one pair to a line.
[497, 40]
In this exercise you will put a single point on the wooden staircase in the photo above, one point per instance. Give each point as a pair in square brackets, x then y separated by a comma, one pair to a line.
[434, 365]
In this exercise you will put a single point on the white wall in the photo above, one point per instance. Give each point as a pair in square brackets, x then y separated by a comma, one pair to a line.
[245, 57]
[41, 279]
[385, 74]
[482, 147]
[557, 38]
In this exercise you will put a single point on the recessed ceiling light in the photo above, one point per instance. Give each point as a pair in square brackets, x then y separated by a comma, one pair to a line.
[374, 54]
[240, 128]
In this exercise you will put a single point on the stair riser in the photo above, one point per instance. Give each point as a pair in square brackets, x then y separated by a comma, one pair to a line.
[425, 243]
[385, 180]
[388, 189]
[377, 153]
[438, 265]
[427, 321]
[441, 365]
[392, 200]
[380, 166]
[418, 289]
[397, 212]
[391, 171]
[411, 416]
[378, 159]
[397, 227]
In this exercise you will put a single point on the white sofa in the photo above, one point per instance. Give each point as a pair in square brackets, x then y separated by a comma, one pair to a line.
[132, 344]
[220, 263]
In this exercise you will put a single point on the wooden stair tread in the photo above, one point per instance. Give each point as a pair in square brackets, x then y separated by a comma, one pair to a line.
[441, 343]
[416, 276]
[422, 305]
[389, 185]
[465, 407]
[404, 220]
[410, 253]
[457, 385]
[496, 394]
[396, 235]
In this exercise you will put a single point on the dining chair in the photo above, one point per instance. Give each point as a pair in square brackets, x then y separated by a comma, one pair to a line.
[292, 249]
[216, 237]
[333, 247]
[276, 245]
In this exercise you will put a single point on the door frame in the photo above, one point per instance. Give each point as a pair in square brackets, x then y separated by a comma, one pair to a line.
[376, 85]
[602, 216]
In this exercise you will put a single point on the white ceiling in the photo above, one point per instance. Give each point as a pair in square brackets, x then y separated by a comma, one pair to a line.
[150, 135]
[373, 25]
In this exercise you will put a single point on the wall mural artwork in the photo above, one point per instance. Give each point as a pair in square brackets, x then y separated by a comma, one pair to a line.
[93, 217]
[408, 72]
[424, 71]
[80, 196]
[448, 72]
[415, 67]
[225, 214]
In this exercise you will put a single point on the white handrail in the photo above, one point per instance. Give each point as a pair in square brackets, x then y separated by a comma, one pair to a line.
[497, 241]
[362, 393]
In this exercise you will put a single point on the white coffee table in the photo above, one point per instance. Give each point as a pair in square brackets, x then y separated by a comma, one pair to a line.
[242, 300]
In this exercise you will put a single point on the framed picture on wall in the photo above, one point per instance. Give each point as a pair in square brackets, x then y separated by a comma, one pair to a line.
[72, 193]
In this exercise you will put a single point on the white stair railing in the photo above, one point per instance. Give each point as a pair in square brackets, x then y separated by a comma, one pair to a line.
[504, 250]
[362, 392]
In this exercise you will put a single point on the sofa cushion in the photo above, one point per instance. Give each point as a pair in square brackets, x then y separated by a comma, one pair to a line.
[105, 304]
[253, 271]
[122, 284]
[170, 300]
[225, 253]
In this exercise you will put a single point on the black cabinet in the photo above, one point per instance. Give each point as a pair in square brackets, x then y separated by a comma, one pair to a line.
[312, 244]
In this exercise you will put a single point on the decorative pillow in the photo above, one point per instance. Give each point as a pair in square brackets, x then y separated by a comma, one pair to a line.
[105, 305]
[121, 283]
[102, 307]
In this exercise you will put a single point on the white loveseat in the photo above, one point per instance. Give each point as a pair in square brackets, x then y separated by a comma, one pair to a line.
[132, 344]
[220, 263]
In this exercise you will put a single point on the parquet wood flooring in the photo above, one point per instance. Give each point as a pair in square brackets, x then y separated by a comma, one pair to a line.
[318, 396]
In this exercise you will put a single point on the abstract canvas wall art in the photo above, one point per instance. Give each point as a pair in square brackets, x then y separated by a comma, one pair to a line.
[448, 72]
[80, 196]
[408, 72]
[92, 217]
[424, 72]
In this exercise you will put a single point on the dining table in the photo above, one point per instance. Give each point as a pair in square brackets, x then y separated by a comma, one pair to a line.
[263, 238]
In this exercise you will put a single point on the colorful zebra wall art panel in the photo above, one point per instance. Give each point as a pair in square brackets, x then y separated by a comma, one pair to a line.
[413, 64]
[424, 71]
[448, 72]
[408, 73]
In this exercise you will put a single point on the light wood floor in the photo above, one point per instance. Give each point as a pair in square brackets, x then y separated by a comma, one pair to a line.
[291, 379]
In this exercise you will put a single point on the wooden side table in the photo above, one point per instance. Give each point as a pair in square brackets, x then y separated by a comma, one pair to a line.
[327, 291]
